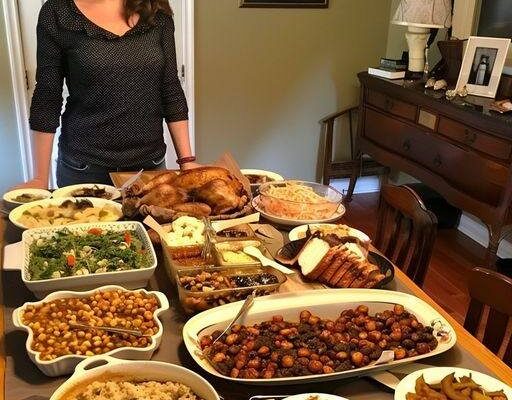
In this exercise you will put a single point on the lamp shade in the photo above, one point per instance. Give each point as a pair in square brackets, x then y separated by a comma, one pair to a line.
[424, 13]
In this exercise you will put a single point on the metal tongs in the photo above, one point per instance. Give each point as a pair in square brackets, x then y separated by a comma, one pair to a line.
[209, 234]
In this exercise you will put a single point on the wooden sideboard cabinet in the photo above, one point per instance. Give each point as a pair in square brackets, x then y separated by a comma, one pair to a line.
[459, 148]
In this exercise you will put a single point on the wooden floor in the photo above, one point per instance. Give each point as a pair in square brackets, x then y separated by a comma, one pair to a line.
[454, 254]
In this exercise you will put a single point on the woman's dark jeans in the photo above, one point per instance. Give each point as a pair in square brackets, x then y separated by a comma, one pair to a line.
[71, 171]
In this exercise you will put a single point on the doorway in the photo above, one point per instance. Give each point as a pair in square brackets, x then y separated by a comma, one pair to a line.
[21, 21]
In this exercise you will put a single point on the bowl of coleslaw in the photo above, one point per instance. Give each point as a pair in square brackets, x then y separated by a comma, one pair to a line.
[299, 200]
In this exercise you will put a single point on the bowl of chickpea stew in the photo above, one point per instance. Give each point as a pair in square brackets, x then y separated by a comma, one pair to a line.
[56, 344]
[316, 335]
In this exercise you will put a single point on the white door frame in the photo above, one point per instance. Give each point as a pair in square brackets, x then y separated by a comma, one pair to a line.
[188, 59]
[19, 84]
[18, 77]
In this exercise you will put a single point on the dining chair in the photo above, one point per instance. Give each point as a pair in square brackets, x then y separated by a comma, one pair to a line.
[338, 169]
[406, 231]
[492, 290]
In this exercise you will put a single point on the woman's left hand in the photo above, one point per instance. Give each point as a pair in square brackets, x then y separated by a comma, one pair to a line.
[189, 165]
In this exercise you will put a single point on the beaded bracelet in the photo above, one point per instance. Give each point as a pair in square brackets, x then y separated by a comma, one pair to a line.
[184, 160]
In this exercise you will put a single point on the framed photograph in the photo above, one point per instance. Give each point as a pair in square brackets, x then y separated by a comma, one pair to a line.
[285, 3]
[482, 65]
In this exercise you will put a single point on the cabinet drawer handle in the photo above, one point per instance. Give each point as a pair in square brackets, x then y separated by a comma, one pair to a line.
[389, 104]
[437, 161]
[406, 145]
[469, 137]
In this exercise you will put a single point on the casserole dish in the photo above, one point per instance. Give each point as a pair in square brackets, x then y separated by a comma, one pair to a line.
[325, 303]
[17, 257]
[100, 367]
[65, 364]
[233, 250]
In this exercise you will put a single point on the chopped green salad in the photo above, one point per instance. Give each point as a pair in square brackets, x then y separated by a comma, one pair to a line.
[93, 252]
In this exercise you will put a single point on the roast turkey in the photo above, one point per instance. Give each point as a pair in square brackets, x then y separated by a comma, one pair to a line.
[203, 191]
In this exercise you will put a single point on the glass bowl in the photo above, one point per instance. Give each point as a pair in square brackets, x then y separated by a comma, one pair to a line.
[299, 200]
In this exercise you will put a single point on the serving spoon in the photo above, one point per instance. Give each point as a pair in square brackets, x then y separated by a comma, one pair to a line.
[229, 223]
[243, 310]
[265, 261]
[151, 222]
[133, 332]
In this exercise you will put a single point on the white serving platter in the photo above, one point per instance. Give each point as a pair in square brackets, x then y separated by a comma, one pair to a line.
[17, 257]
[340, 211]
[100, 367]
[326, 303]
[67, 191]
[15, 214]
[436, 374]
[66, 364]
[299, 232]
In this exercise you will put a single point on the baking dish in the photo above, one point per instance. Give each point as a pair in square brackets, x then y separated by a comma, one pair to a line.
[324, 303]
[65, 364]
[194, 301]
[236, 246]
[174, 265]
[131, 279]
[99, 367]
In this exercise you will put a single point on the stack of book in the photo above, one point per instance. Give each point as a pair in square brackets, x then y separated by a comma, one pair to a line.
[390, 69]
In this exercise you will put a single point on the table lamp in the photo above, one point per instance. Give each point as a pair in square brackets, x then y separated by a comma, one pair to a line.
[420, 16]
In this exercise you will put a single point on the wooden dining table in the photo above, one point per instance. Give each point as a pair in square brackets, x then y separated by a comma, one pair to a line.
[21, 380]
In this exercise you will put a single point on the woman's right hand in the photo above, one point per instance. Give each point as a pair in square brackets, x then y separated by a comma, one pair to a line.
[35, 183]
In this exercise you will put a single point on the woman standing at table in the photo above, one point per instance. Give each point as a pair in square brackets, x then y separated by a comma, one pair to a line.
[119, 61]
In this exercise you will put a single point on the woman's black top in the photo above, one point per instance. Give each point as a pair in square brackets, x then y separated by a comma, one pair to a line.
[120, 87]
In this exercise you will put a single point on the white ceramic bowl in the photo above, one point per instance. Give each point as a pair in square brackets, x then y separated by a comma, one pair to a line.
[299, 232]
[67, 191]
[97, 367]
[273, 177]
[436, 374]
[10, 196]
[65, 364]
[15, 214]
[15, 259]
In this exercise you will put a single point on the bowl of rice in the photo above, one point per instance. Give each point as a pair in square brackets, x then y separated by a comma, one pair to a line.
[106, 378]
[299, 200]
